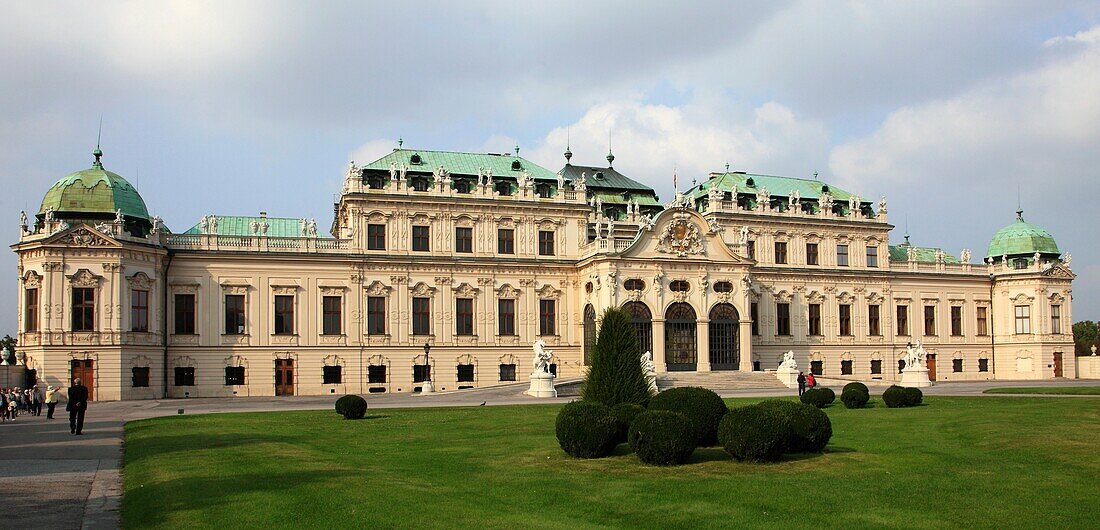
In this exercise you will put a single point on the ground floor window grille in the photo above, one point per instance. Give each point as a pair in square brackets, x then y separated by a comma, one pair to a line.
[876, 367]
[817, 367]
[421, 372]
[139, 376]
[376, 375]
[465, 373]
[332, 375]
[234, 375]
[957, 365]
[185, 376]
[508, 372]
[845, 367]
[983, 365]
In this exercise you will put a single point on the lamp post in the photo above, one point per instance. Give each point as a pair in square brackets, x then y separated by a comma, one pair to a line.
[428, 385]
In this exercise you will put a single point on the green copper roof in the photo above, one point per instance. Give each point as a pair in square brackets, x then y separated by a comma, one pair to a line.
[1022, 238]
[503, 165]
[777, 186]
[900, 254]
[237, 225]
[600, 178]
[611, 197]
[94, 190]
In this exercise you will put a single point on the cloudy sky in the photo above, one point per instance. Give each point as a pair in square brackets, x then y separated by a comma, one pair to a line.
[946, 108]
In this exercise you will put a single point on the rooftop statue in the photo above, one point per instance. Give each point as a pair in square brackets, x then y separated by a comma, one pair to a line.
[23, 220]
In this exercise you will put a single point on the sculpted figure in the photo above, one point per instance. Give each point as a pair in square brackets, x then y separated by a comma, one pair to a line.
[158, 224]
[744, 234]
[795, 198]
[49, 214]
[647, 363]
[788, 361]
[312, 227]
[393, 170]
[23, 220]
[255, 226]
[1068, 259]
[541, 362]
[965, 256]
[882, 205]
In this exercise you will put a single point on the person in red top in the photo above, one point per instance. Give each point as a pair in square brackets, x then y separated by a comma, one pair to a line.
[810, 381]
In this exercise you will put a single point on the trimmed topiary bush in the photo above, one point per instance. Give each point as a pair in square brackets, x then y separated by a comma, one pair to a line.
[809, 429]
[351, 407]
[913, 396]
[830, 396]
[616, 374]
[586, 429]
[817, 397]
[895, 397]
[854, 398]
[701, 406]
[855, 384]
[754, 433]
[624, 414]
[661, 437]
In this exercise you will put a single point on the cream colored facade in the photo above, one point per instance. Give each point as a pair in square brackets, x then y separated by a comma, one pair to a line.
[690, 260]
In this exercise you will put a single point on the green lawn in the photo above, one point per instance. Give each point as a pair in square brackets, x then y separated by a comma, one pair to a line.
[1063, 390]
[990, 462]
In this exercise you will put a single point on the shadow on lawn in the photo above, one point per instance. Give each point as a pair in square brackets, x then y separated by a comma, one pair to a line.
[158, 446]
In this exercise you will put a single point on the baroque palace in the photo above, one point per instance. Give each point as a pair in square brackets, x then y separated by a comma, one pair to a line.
[447, 266]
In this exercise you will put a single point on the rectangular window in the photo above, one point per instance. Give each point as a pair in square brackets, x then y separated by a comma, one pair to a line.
[956, 321]
[83, 309]
[983, 365]
[957, 365]
[903, 320]
[185, 314]
[982, 321]
[421, 238]
[1056, 319]
[139, 310]
[30, 310]
[139, 377]
[754, 314]
[811, 253]
[464, 316]
[465, 373]
[464, 239]
[1023, 319]
[234, 375]
[332, 375]
[842, 255]
[845, 367]
[284, 315]
[185, 376]
[421, 372]
[817, 367]
[815, 320]
[780, 252]
[376, 315]
[376, 237]
[876, 367]
[508, 372]
[376, 374]
[506, 241]
[872, 256]
[783, 319]
[546, 242]
[422, 316]
[331, 321]
[234, 314]
[873, 328]
[845, 319]
[546, 317]
[506, 316]
[750, 249]
[930, 320]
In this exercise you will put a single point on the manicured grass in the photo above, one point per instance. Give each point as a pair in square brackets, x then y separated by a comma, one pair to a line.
[989, 462]
[1057, 390]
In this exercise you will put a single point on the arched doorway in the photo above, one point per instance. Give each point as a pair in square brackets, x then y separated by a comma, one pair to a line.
[724, 335]
[589, 333]
[643, 324]
[681, 354]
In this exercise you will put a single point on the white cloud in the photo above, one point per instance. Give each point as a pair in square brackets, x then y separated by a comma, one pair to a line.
[1088, 36]
[372, 150]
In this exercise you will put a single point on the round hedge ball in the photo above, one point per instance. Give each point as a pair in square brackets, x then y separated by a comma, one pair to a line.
[351, 407]
[830, 396]
[817, 397]
[913, 396]
[586, 429]
[754, 433]
[854, 398]
[661, 437]
[701, 406]
[895, 397]
[855, 384]
[809, 429]
[624, 414]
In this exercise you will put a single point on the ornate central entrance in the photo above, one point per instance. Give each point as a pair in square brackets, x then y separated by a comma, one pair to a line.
[681, 354]
[724, 338]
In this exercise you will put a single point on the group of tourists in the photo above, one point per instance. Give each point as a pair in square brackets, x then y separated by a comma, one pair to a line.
[805, 382]
[15, 401]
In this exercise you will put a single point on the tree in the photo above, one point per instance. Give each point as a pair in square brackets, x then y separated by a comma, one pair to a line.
[7, 348]
[1086, 334]
[616, 374]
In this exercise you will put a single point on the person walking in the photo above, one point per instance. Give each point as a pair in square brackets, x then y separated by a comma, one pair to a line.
[801, 383]
[78, 403]
[51, 401]
[36, 401]
[810, 380]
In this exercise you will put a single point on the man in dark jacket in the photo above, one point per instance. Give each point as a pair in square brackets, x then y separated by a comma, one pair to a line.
[78, 402]
[801, 383]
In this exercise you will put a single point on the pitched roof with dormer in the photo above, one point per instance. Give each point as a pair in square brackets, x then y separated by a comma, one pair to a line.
[459, 163]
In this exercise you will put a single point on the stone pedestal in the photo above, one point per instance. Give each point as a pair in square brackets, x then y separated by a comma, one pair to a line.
[542, 385]
[915, 376]
[427, 388]
[652, 378]
[787, 376]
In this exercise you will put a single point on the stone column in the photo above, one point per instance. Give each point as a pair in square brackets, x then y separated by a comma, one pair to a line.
[745, 337]
[702, 342]
[659, 345]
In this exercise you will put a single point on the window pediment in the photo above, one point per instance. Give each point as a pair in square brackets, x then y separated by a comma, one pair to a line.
[84, 278]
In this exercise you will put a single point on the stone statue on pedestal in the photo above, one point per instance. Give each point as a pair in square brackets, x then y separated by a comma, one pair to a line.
[542, 380]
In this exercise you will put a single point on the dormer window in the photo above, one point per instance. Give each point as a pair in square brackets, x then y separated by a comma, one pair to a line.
[1020, 263]
[415, 159]
[626, 196]
[503, 188]
[375, 182]
[516, 166]
[462, 186]
[543, 190]
[824, 188]
[750, 182]
[420, 184]
[599, 175]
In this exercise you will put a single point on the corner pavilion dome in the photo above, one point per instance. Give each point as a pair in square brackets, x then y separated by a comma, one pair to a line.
[95, 194]
[1022, 238]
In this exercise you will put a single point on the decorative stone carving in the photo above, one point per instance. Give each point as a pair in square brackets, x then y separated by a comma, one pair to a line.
[507, 291]
[964, 256]
[548, 292]
[140, 281]
[422, 290]
[31, 280]
[466, 290]
[680, 237]
[82, 237]
[83, 278]
[377, 288]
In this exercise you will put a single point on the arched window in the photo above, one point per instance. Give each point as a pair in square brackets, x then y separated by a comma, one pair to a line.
[634, 284]
[724, 335]
[589, 333]
[643, 324]
[680, 343]
[543, 190]
[678, 286]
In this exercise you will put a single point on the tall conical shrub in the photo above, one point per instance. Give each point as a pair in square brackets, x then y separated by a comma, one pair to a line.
[616, 374]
